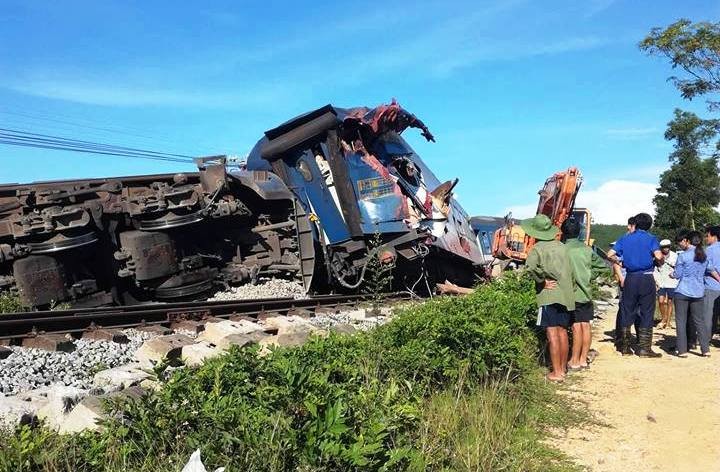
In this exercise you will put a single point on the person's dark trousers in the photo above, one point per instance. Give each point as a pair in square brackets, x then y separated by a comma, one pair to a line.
[688, 314]
[619, 316]
[710, 301]
[692, 333]
[638, 301]
[618, 319]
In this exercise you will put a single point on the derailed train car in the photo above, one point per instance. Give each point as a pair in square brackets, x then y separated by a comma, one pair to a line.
[315, 191]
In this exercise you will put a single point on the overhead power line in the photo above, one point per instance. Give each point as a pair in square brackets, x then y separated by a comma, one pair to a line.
[36, 140]
[61, 148]
[98, 127]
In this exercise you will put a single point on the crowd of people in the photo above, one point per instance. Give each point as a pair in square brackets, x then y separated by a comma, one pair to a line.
[686, 282]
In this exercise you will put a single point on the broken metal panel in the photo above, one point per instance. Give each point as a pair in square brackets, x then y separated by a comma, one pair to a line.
[381, 202]
[460, 238]
[305, 175]
[386, 118]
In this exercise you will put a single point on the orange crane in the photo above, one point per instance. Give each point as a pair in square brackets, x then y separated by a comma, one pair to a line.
[557, 201]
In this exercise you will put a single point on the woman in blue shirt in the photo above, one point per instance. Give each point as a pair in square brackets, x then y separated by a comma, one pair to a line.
[690, 273]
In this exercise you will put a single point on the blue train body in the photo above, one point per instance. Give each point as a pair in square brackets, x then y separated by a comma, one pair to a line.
[354, 177]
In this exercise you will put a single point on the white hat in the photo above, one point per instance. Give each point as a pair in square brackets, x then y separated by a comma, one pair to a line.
[665, 243]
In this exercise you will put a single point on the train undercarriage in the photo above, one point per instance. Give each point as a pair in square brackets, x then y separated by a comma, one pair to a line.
[129, 240]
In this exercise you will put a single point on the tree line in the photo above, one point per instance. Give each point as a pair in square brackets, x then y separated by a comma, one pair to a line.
[688, 193]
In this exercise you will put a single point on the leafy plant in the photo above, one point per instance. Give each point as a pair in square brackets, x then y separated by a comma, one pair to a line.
[379, 272]
[336, 403]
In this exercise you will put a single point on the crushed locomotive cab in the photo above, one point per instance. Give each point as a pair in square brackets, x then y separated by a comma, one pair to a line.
[314, 193]
[356, 176]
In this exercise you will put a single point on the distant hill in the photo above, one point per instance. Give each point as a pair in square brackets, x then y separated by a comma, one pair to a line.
[605, 234]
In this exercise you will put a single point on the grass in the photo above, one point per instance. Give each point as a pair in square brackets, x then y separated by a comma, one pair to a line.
[452, 384]
[493, 427]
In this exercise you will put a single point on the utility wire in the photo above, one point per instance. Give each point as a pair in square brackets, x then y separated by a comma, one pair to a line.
[29, 135]
[70, 123]
[37, 140]
[97, 126]
[88, 151]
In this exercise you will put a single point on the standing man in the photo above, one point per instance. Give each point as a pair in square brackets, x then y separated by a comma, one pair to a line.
[549, 265]
[665, 283]
[712, 278]
[586, 266]
[639, 251]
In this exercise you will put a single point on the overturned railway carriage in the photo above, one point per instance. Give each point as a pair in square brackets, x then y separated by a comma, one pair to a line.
[315, 191]
[158, 237]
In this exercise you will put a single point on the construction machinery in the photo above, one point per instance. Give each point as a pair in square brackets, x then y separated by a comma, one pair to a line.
[557, 201]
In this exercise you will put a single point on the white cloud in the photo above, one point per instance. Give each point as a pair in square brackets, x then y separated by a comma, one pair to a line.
[448, 44]
[121, 92]
[522, 211]
[612, 202]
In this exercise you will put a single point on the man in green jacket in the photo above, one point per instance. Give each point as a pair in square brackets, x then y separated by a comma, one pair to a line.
[548, 263]
[586, 266]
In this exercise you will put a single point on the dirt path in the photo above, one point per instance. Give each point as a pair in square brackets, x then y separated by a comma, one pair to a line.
[662, 414]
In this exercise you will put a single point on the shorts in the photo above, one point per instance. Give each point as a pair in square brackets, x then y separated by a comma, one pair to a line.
[583, 313]
[550, 316]
[666, 292]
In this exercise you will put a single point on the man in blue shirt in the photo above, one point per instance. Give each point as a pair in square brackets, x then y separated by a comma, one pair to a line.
[712, 279]
[639, 250]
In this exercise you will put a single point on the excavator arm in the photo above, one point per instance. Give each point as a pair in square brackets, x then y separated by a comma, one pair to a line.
[557, 199]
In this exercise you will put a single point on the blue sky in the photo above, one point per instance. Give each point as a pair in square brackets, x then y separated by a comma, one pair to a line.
[512, 90]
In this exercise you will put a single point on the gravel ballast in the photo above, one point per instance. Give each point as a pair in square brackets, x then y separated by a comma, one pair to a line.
[27, 369]
[268, 288]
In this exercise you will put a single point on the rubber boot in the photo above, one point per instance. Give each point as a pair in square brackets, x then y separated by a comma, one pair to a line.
[624, 341]
[645, 344]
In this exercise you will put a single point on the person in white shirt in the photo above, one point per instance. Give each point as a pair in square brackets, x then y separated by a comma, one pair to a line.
[665, 283]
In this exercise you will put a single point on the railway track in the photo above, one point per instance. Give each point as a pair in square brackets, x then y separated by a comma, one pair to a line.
[17, 327]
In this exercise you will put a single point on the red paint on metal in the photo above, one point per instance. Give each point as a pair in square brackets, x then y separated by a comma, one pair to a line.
[390, 117]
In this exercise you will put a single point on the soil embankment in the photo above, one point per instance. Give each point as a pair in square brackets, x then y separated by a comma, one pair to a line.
[661, 414]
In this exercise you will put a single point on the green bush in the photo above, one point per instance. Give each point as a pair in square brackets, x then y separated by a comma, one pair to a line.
[10, 303]
[335, 403]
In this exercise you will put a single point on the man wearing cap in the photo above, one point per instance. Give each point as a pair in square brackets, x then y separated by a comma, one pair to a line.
[548, 264]
[665, 283]
[639, 251]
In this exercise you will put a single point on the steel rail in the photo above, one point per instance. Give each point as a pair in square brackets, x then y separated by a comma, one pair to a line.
[26, 324]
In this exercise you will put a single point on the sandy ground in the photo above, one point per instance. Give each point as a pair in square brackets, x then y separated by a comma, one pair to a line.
[661, 414]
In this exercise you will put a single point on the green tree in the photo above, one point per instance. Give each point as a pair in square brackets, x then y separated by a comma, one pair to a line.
[604, 234]
[689, 191]
[694, 48]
